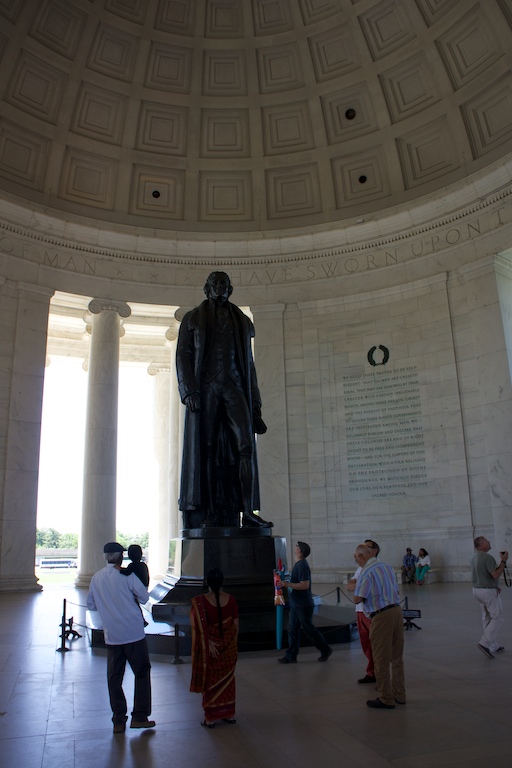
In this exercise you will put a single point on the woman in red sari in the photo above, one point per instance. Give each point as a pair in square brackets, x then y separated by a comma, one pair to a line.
[214, 621]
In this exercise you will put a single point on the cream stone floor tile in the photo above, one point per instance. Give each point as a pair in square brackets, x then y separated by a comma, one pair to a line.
[56, 711]
[466, 757]
[27, 752]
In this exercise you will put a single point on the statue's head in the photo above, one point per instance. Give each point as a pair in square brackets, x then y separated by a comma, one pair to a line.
[218, 286]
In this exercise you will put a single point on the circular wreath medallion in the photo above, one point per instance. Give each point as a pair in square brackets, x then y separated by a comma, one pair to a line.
[372, 351]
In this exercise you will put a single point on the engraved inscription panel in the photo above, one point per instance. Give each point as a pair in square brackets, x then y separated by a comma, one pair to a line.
[384, 434]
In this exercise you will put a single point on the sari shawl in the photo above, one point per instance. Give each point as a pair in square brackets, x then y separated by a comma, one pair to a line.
[213, 677]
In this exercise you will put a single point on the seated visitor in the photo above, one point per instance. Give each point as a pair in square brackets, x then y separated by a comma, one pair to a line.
[422, 566]
[408, 566]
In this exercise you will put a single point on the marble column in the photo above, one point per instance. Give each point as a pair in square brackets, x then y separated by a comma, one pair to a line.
[165, 525]
[179, 413]
[100, 463]
[273, 458]
[24, 312]
[176, 422]
[158, 522]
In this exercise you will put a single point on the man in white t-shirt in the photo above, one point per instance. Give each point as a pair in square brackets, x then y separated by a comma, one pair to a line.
[115, 598]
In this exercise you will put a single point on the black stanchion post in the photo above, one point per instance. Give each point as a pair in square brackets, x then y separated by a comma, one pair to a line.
[338, 592]
[177, 659]
[63, 648]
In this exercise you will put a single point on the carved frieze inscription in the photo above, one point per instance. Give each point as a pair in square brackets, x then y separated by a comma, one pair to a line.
[384, 434]
[176, 267]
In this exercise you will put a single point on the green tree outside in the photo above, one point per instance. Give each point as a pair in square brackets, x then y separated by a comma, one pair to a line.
[68, 541]
[49, 538]
[142, 539]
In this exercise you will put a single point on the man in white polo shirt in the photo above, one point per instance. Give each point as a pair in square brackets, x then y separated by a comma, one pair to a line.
[115, 597]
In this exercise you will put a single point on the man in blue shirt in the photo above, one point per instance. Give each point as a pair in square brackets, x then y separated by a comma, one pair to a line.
[115, 598]
[301, 609]
[377, 589]
[408, 566]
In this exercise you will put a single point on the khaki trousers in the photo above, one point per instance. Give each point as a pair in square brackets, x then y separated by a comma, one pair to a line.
[387, 642]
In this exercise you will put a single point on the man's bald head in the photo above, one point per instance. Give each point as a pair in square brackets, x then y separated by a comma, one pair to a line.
[362, 554]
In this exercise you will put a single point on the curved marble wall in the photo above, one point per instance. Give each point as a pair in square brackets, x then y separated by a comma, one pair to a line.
[430, 286]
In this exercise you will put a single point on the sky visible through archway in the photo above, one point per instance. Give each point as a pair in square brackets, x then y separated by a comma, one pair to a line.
[61, 461]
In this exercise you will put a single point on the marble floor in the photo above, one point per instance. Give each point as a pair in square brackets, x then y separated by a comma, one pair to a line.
[54, 710]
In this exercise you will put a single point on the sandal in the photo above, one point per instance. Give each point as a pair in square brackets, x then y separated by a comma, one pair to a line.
[230, 720]
[206, 724]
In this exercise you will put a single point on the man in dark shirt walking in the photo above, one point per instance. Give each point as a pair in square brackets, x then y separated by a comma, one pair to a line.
[301, 609]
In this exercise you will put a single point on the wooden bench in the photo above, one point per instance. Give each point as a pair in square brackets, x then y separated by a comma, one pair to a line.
[430, 576]
[344, 575]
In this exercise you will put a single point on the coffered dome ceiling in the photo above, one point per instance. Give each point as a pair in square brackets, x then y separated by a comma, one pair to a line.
[248, 115]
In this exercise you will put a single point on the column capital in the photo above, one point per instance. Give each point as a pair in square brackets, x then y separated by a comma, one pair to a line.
[98, 305]
[180, 313]
[171, 333]
[154, 368]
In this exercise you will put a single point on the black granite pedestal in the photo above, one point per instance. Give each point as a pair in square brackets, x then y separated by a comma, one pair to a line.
[247, 557]
[257, 631]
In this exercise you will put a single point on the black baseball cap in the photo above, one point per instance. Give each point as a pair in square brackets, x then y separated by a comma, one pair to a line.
[113, 546]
